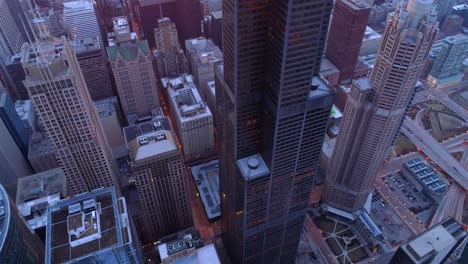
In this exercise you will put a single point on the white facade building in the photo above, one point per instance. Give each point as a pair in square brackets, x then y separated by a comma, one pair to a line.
[193, 118]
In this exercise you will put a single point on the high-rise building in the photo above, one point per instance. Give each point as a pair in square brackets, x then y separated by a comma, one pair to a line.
[92, 227]
[453, 25]
[94, 66]
[132, 66]
[377, 104]
[272, 114]
[13, 123]
[27, 115]
[160, 177]
[65, 110]
[109, 116]
[202, 56]
[444, 8]
[170, 58]
[434, 245]
[18, 243]
[41, 153]
[81, 20]
[448, 64]
[13, 163]
[462, 11]
[347, 30]
[214, 29]
[10, 42]
[210, 6]
[14, 77]
[191, 115]
[109, 9]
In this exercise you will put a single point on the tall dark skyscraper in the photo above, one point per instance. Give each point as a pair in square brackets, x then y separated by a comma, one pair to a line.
[377, 104]
[346, 33]
[272, 116]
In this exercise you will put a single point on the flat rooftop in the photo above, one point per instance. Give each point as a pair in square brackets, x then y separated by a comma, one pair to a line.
[253, 167]
[185, 98]
[435, 240]
[86, 224]
[85, 45]
[77, 5]
[149, 139]
[39, 145]
[45, 54]
[184, 250]
[24, 109]
[36, 192]
[106, 107]
[206, 176]
[371, 34]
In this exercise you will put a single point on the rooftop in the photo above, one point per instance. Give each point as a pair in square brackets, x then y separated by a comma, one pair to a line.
[319, 88]
[149, 139]
[106, 107]
[212, 86]
[184, 250]
[205, 50]
[77, 5]
[129, 50]
[461, 7]
[371, 34]
[23, 108]
[186, 98]
[253, 167]
[206, 177]
[36, 192]
[362, 84]
[80, 226]
[217, 14]
[39, 145]
[85, 45]
[356, 4]
[436, 240]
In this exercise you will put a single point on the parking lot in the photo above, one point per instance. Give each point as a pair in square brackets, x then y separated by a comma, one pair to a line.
[406, 192]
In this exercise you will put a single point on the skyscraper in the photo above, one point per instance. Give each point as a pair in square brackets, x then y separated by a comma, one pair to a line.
[448, 64]
[160, 177]
[170, 58]
[191, 115]
[132, 66]
[13, 123]
[347, 30]
[18, 243]
[94, 67]
[65, 110]
[92, 227]
[272, 113]
[81, 20]
[377, 104]
[10, 42]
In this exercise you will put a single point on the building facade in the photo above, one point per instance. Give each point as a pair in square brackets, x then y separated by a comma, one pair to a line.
[346, 35]
[447, 67]
[13, 123]
[132, 66]
[272, 114]
[92, 227]
[160, 177]
[376, 105]
[66, 112]
[192, 117]
[170, 58]
[109, 116]
[18, 243]
[94, 67]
